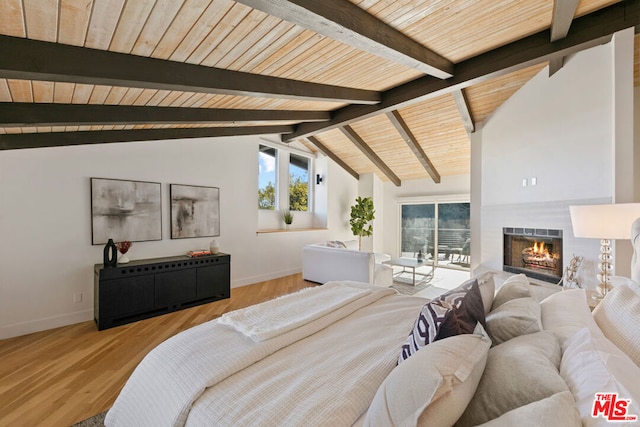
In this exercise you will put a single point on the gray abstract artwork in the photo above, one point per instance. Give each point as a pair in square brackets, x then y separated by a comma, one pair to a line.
[125, 210]
[195, 211]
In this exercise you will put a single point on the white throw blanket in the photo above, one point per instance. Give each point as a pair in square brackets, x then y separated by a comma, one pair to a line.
[163, 387]
[264, 321]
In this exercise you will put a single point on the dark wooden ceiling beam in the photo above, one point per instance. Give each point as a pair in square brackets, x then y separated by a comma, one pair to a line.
[353, 136]
[344, 21]
[327, 152]
[408, 137]
[46, 61]
[585, 32]
[464, 109]
[36, 114]
[59, 139]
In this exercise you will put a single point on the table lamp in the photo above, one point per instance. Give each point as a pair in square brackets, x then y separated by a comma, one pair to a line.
[605, 222]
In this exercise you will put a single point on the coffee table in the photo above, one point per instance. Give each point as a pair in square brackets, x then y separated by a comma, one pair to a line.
[412, 264]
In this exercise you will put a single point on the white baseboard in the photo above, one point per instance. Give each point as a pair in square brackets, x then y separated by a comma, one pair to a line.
[38, 325]
[264, 277]
[24, 328]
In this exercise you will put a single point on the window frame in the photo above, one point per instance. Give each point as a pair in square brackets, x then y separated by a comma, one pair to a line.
[435, 200]
[283, 158]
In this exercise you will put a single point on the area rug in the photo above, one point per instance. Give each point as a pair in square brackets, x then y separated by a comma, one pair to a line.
[95, 421]
[404, 283]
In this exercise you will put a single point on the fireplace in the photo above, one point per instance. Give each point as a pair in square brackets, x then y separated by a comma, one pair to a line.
[533, 251]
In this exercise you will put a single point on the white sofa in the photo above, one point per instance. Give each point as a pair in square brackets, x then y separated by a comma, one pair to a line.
[322, 263]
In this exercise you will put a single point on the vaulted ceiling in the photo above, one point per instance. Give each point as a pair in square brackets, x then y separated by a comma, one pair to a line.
[386, 87]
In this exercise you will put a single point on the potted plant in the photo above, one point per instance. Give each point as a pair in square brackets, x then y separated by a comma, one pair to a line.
[287, 217]
[362, 213]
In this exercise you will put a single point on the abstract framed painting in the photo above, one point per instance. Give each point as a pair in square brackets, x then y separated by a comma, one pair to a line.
[125, 210]
[195, 211]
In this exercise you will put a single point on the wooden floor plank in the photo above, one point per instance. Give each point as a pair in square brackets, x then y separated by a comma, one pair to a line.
[65, 375]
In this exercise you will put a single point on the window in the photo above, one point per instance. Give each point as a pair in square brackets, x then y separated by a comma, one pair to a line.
[441, 231]
[267, 177]
[284, 183]
[298, 183]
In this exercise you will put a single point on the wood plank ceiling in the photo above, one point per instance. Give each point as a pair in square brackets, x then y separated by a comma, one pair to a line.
[386, 87]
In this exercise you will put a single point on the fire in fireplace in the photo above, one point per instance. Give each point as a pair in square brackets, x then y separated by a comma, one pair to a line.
[534, 252]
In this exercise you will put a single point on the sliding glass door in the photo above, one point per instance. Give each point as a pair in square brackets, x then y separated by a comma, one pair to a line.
[441, 231]
[418, 230]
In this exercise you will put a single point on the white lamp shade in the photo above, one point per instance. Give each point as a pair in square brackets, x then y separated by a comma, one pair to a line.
[611, 221]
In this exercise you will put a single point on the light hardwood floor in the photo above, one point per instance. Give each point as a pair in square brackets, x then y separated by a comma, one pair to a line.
[65, 375]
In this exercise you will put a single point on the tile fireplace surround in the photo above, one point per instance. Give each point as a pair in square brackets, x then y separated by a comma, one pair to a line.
[545, 215]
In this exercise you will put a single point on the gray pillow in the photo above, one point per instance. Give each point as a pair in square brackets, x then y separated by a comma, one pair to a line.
[516, 317]
[557, 410]
[518, 372]
[515, 287]
[487, 286]
[336, 244]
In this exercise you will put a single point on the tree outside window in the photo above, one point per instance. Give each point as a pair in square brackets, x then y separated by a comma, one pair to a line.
[267, 177]
[298, 183]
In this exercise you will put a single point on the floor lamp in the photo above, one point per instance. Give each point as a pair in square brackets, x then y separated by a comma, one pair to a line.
[605, 222]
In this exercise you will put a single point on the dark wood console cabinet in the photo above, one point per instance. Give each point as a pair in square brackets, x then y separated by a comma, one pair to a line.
[145, 288]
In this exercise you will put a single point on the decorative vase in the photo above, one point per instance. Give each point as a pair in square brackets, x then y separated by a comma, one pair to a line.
[110, 254]
[123, 248]
[213, 246]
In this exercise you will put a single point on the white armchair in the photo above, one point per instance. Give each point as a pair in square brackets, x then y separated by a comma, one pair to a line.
[322, 264]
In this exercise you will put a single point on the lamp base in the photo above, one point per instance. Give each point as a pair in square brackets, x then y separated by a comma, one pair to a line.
[601, 291]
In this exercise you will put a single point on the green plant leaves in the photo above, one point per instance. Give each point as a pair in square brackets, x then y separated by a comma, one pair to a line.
[362, 213]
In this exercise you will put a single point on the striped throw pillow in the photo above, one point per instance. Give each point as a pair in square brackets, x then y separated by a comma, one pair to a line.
[453, 313]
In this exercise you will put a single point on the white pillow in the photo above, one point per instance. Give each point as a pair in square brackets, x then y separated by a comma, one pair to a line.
[557, 410]
[565, 313]
[433, 386]
[516, 317]
[618, 316]
[351, 244]
[592, 364]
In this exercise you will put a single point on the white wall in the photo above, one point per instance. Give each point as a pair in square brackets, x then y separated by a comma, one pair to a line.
[559, 130]
[556, 129]
[369, 185]
[449, 185]
[46, 254]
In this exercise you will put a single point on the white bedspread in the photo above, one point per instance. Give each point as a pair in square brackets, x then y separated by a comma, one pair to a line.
[327, 379]
[264, 321]
[172, 377]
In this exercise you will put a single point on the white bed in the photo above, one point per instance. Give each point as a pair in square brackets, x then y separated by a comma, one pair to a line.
[328, 356]
[325, 372]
